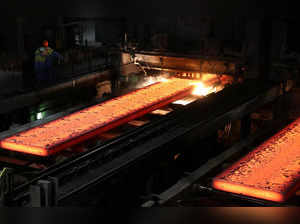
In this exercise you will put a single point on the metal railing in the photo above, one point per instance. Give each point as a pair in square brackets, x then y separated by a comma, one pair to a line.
[77, 61]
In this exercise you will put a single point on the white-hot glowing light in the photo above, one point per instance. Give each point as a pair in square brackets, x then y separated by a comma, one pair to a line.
[39, 116]
[202, 90]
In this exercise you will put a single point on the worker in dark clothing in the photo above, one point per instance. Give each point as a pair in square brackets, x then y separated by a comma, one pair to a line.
[44, 58]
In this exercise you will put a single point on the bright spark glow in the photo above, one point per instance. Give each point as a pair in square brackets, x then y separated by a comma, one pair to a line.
[202, 90]
[152, 80]
[182, 102]
[39, 116]
[161, 112]
[185, 101]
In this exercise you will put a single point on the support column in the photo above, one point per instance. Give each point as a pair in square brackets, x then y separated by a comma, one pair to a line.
[60, 38]
[265, 49]
[20, 35]
[245, 127]
[44, 193]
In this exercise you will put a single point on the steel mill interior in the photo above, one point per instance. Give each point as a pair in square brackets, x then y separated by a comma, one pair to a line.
[121, 107]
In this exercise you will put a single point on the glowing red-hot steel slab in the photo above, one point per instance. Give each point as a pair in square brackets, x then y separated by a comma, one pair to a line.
[70, 130]
[271, 172]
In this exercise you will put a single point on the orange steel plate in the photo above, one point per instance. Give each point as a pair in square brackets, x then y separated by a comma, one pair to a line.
[52, 137]
[271, 172]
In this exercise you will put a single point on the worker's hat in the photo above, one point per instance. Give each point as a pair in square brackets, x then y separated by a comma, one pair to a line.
[45, 43]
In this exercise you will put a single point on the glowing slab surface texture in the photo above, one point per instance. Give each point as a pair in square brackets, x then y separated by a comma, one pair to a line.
[271, 172]
[57, 135]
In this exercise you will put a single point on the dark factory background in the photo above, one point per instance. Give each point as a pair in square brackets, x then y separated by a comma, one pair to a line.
[181, 33]
[232, 72]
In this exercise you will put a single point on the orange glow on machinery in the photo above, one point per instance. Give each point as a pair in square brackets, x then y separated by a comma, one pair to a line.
[201, 89]
[70, 130]
[152, 80]
[210, 83]
[271, 172]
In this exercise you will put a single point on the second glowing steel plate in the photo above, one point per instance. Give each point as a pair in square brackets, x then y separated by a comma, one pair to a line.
[270, 172]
